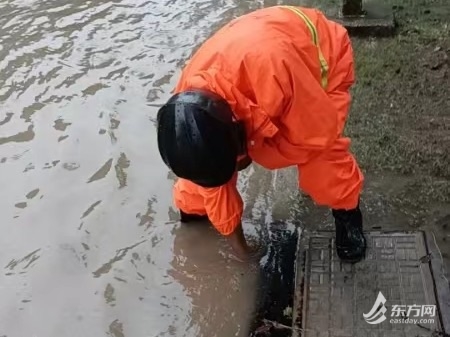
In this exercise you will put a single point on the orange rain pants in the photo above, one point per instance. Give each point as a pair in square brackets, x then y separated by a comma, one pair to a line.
[286, 72]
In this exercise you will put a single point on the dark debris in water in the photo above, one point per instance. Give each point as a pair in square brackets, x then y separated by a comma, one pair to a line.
[277, 285]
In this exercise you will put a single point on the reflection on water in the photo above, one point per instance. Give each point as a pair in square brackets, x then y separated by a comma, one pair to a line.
[89, 243]
[221, 291]
[87, 248]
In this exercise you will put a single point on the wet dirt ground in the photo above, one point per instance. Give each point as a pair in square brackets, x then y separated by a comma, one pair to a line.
[90, 244]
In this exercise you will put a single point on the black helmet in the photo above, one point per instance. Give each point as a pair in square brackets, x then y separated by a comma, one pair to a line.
[198, 138]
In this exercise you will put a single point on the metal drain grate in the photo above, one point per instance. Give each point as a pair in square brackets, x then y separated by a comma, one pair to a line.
[331, 297]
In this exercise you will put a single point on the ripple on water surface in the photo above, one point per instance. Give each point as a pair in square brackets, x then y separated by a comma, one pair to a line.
[90, 242]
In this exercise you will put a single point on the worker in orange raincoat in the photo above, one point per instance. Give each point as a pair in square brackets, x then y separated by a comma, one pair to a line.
[271, 86]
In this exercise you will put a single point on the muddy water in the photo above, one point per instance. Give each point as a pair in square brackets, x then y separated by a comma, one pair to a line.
[89, 243]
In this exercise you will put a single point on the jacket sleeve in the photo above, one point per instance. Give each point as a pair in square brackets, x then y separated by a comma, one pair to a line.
[224, 206]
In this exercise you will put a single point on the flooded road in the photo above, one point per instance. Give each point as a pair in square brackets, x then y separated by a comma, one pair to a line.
[90, 245]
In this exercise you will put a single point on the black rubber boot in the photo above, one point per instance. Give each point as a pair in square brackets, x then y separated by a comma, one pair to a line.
[350, 241]
[184, 217]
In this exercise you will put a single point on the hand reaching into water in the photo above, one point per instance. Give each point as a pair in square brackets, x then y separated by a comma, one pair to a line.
[254, 251]
[254, 254]
[241, 250]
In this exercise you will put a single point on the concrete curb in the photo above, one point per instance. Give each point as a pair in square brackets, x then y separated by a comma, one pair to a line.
[366, 27]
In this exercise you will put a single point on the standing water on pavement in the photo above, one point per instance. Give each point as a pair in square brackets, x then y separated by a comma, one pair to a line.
[89, 243]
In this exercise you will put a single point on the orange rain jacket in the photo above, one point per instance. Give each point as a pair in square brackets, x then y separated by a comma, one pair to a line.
[286, 72]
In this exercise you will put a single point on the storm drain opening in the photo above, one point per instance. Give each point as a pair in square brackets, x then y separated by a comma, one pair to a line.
[275, 300]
